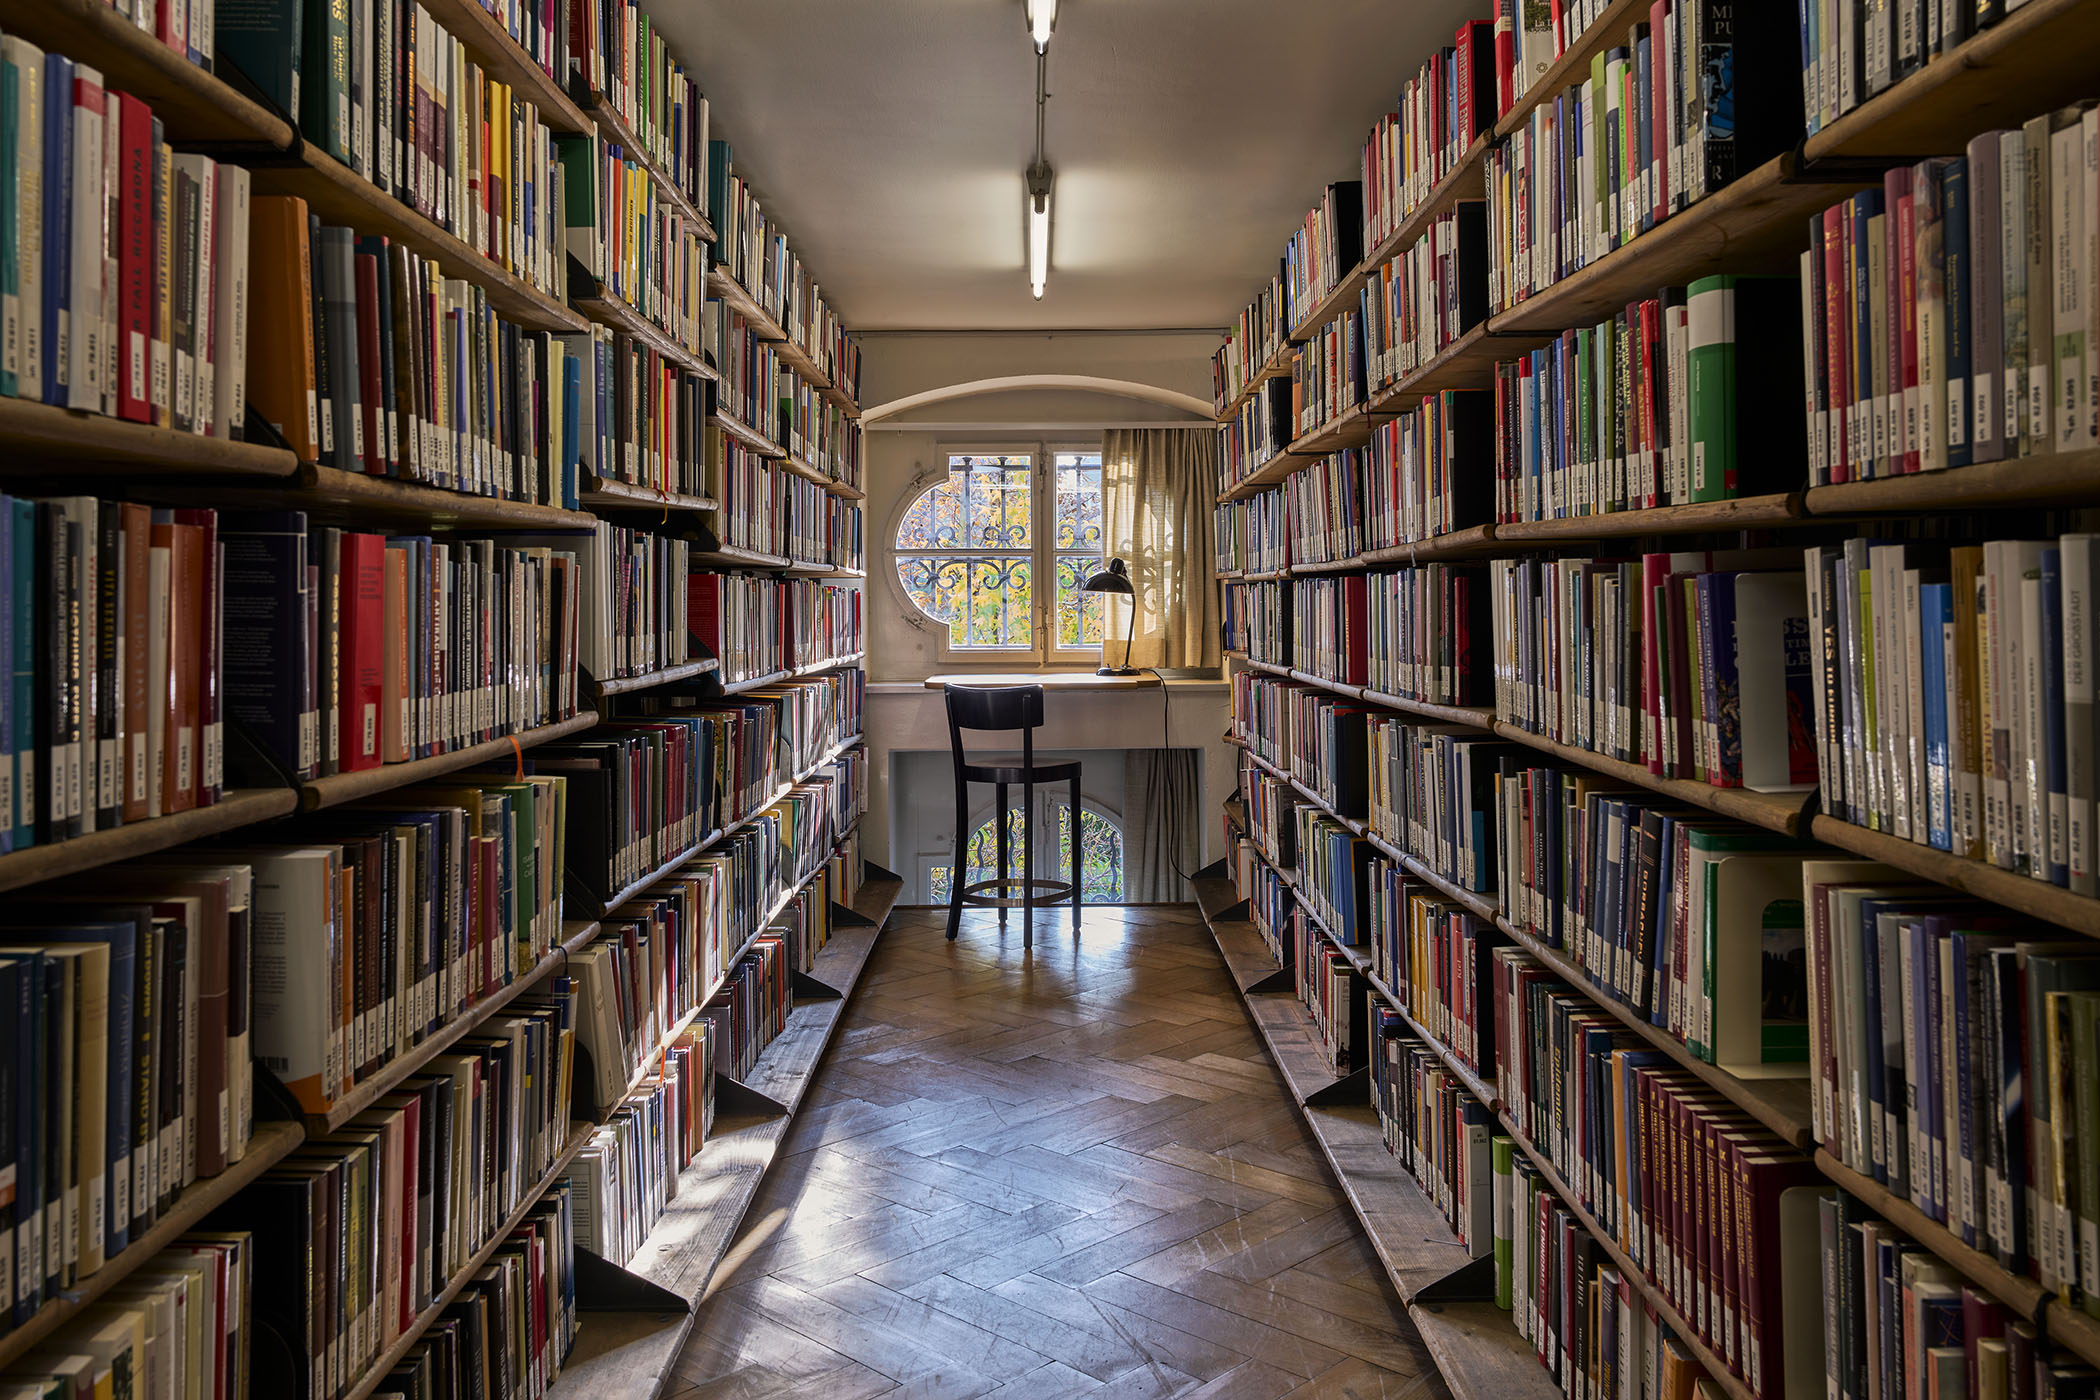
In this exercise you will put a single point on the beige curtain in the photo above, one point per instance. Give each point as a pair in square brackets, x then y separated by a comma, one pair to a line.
[1160, 796]
[1159, 491]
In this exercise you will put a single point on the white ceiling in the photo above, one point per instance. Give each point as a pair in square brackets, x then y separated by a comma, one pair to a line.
[1189, 138]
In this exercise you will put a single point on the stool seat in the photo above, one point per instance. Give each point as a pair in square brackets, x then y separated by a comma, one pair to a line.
[1015, 707]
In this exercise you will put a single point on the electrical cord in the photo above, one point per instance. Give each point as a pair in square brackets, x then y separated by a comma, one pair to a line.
[1166, 744]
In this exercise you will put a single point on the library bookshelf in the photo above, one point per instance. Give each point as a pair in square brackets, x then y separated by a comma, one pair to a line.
[634, 1319]
[2000, 75]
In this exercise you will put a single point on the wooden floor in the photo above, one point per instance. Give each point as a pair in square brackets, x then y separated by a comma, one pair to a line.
[1071, 1173]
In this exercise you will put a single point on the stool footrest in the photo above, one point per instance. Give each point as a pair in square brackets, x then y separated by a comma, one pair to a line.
[1056, 890]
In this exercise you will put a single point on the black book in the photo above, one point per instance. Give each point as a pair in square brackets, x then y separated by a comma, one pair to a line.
[265, 667]
[334, 451]
[109, 619]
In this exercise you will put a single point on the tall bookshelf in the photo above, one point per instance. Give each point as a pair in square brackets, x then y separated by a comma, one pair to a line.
[635, 1317]
[1999, 76]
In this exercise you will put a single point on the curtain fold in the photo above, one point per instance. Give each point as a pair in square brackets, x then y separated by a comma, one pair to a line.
[1160, 802]
[1159, 490]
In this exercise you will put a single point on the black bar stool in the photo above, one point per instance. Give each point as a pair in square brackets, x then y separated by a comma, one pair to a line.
[1006, 708]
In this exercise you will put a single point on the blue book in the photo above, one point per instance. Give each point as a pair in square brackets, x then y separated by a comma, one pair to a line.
[1935, 617]
[571, 427]
[120, 935]
[58, 219]
[2056, 848]
[25, 703]
[30, 1104]
[1863, 207]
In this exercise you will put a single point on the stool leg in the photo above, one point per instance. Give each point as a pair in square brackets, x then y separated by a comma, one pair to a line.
[957, 870]
[999, 836]
[1078, 899]
[1027, 864]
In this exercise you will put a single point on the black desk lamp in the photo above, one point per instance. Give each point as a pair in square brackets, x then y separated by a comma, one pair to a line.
[1115, 578]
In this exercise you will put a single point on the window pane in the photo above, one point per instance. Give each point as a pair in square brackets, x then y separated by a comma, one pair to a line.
[999, 607]
[936, 584]
[997, 499]
[1078, 501]
[1100, 855]
[1078, 620]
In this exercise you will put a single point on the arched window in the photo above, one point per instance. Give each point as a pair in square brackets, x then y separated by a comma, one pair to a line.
[973, 547]
[1100, 854]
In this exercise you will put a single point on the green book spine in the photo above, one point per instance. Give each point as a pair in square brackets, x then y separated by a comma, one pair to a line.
[1502, 1157]
[1710, 317]
[324, 95]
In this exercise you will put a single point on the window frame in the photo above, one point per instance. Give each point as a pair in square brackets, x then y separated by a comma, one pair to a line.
[1043, 652]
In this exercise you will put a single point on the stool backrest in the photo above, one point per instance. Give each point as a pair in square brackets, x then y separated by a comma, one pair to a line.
[994, 707]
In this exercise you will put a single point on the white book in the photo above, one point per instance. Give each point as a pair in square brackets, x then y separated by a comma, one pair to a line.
[2067, 185]
[229, 358]
[2012, 276]
[112, 194]
[196, 394]
[2078, 700]
[2038, 433]
[24, 309]
[83, 319]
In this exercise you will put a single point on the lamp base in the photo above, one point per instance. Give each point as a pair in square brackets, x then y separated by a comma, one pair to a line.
[1115, 670]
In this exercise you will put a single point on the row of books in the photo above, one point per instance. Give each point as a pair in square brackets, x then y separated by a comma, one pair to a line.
[753, 1006]
[127, 1012]
[1949, 316]
[627, 1174]
[390, 922]
[367, 1226]
[127, 264]
[510, 1329]
[1323, 252]
[369, 359]
[1693, 99]
[634, 603]
[384, 88]
[1328, 989]
[347, 650]
[1257, 430]
[753, 251]
[1255, 619]
[1327, 374]
[1697, 664]
[110, 621]
[624, 229]
[183, 1319]
[1425, 296]
[616, 50]
[815, 430]
[1851, 51]
[634, 415]
[1314, 735]
[769, 510]
[1447, 103]
[1438, 1129]
[759, 626]
[755, 381]
[1666, 403]
[1254, 339]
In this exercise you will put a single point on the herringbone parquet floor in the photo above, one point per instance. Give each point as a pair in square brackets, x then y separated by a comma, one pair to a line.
[1071, 1174]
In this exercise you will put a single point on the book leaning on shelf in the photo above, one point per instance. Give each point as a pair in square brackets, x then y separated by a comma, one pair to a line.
[383, 88]
[126, 264]
[370, 360]
[1449, 101]
[181, 1323]
[1950, 316]
[359, 1231]
[627, 1174]
[1852, 50]
[759, 626]
[352, 650]
[1324, 250]
[1698, 95]
[754, 253]
[637, 417]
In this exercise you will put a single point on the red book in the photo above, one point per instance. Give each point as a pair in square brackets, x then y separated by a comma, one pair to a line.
[368, 366]
[136, 533]
[133, 312]
[185, 665]
[1505, 58]
[1837, 338]
[1897, 200]
[364, 596]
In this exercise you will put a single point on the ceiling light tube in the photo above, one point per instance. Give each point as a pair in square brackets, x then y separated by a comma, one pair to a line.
[1039, 229]
[1042, 18]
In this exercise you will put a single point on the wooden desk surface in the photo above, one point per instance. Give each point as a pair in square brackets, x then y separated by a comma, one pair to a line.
[1050, 680]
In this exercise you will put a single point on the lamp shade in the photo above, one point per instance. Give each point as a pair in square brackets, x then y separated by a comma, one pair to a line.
[1115, 578]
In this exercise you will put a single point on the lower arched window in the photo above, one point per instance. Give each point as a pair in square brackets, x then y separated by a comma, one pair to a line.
[1100, 852]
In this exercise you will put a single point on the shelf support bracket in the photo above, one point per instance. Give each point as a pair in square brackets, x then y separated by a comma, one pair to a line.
[1471, 1282]
[1352, 1090]
[846, 916]
[1283, 979]
[736, 1099]
[603, 1286]
[808, 988]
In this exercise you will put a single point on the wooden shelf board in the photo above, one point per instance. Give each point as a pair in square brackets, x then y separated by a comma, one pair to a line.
[729, 556]
[809, 471]
[746, 434]
[390, 1077]
[1471, 542]
[196, 106]
[1275, 367]
[1351, 429]
[608, 310]
[1573, 65]
[687, 1245]
[2034, 60]
[1278, 466]
[1757, 223]
[2064, 477]
[621, 1352]
[330, 493]
[1477, 716]
[600, 494]
[730, 292]
[1337, 300]
[1742, 513]
[2024, 893]
[598, 106]
[756, 682]
[1479, 1353]
[505, 59]
[1783, 812]
[1465, 180]
[41, 438]
[238, 808]
[1466, 363]
[668, 675]
[371, 1377]
[825, 571]
[370, 782]
[816, 668]
[340, 196]
[270, 1142]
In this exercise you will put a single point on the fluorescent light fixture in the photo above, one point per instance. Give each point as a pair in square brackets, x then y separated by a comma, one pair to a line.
[1042, 18]
[1039, 229]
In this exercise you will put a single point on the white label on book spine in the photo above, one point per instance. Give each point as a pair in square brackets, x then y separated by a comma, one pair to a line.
[10, 331]
[136, 360]
[1981, 413]
[1957, 415]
